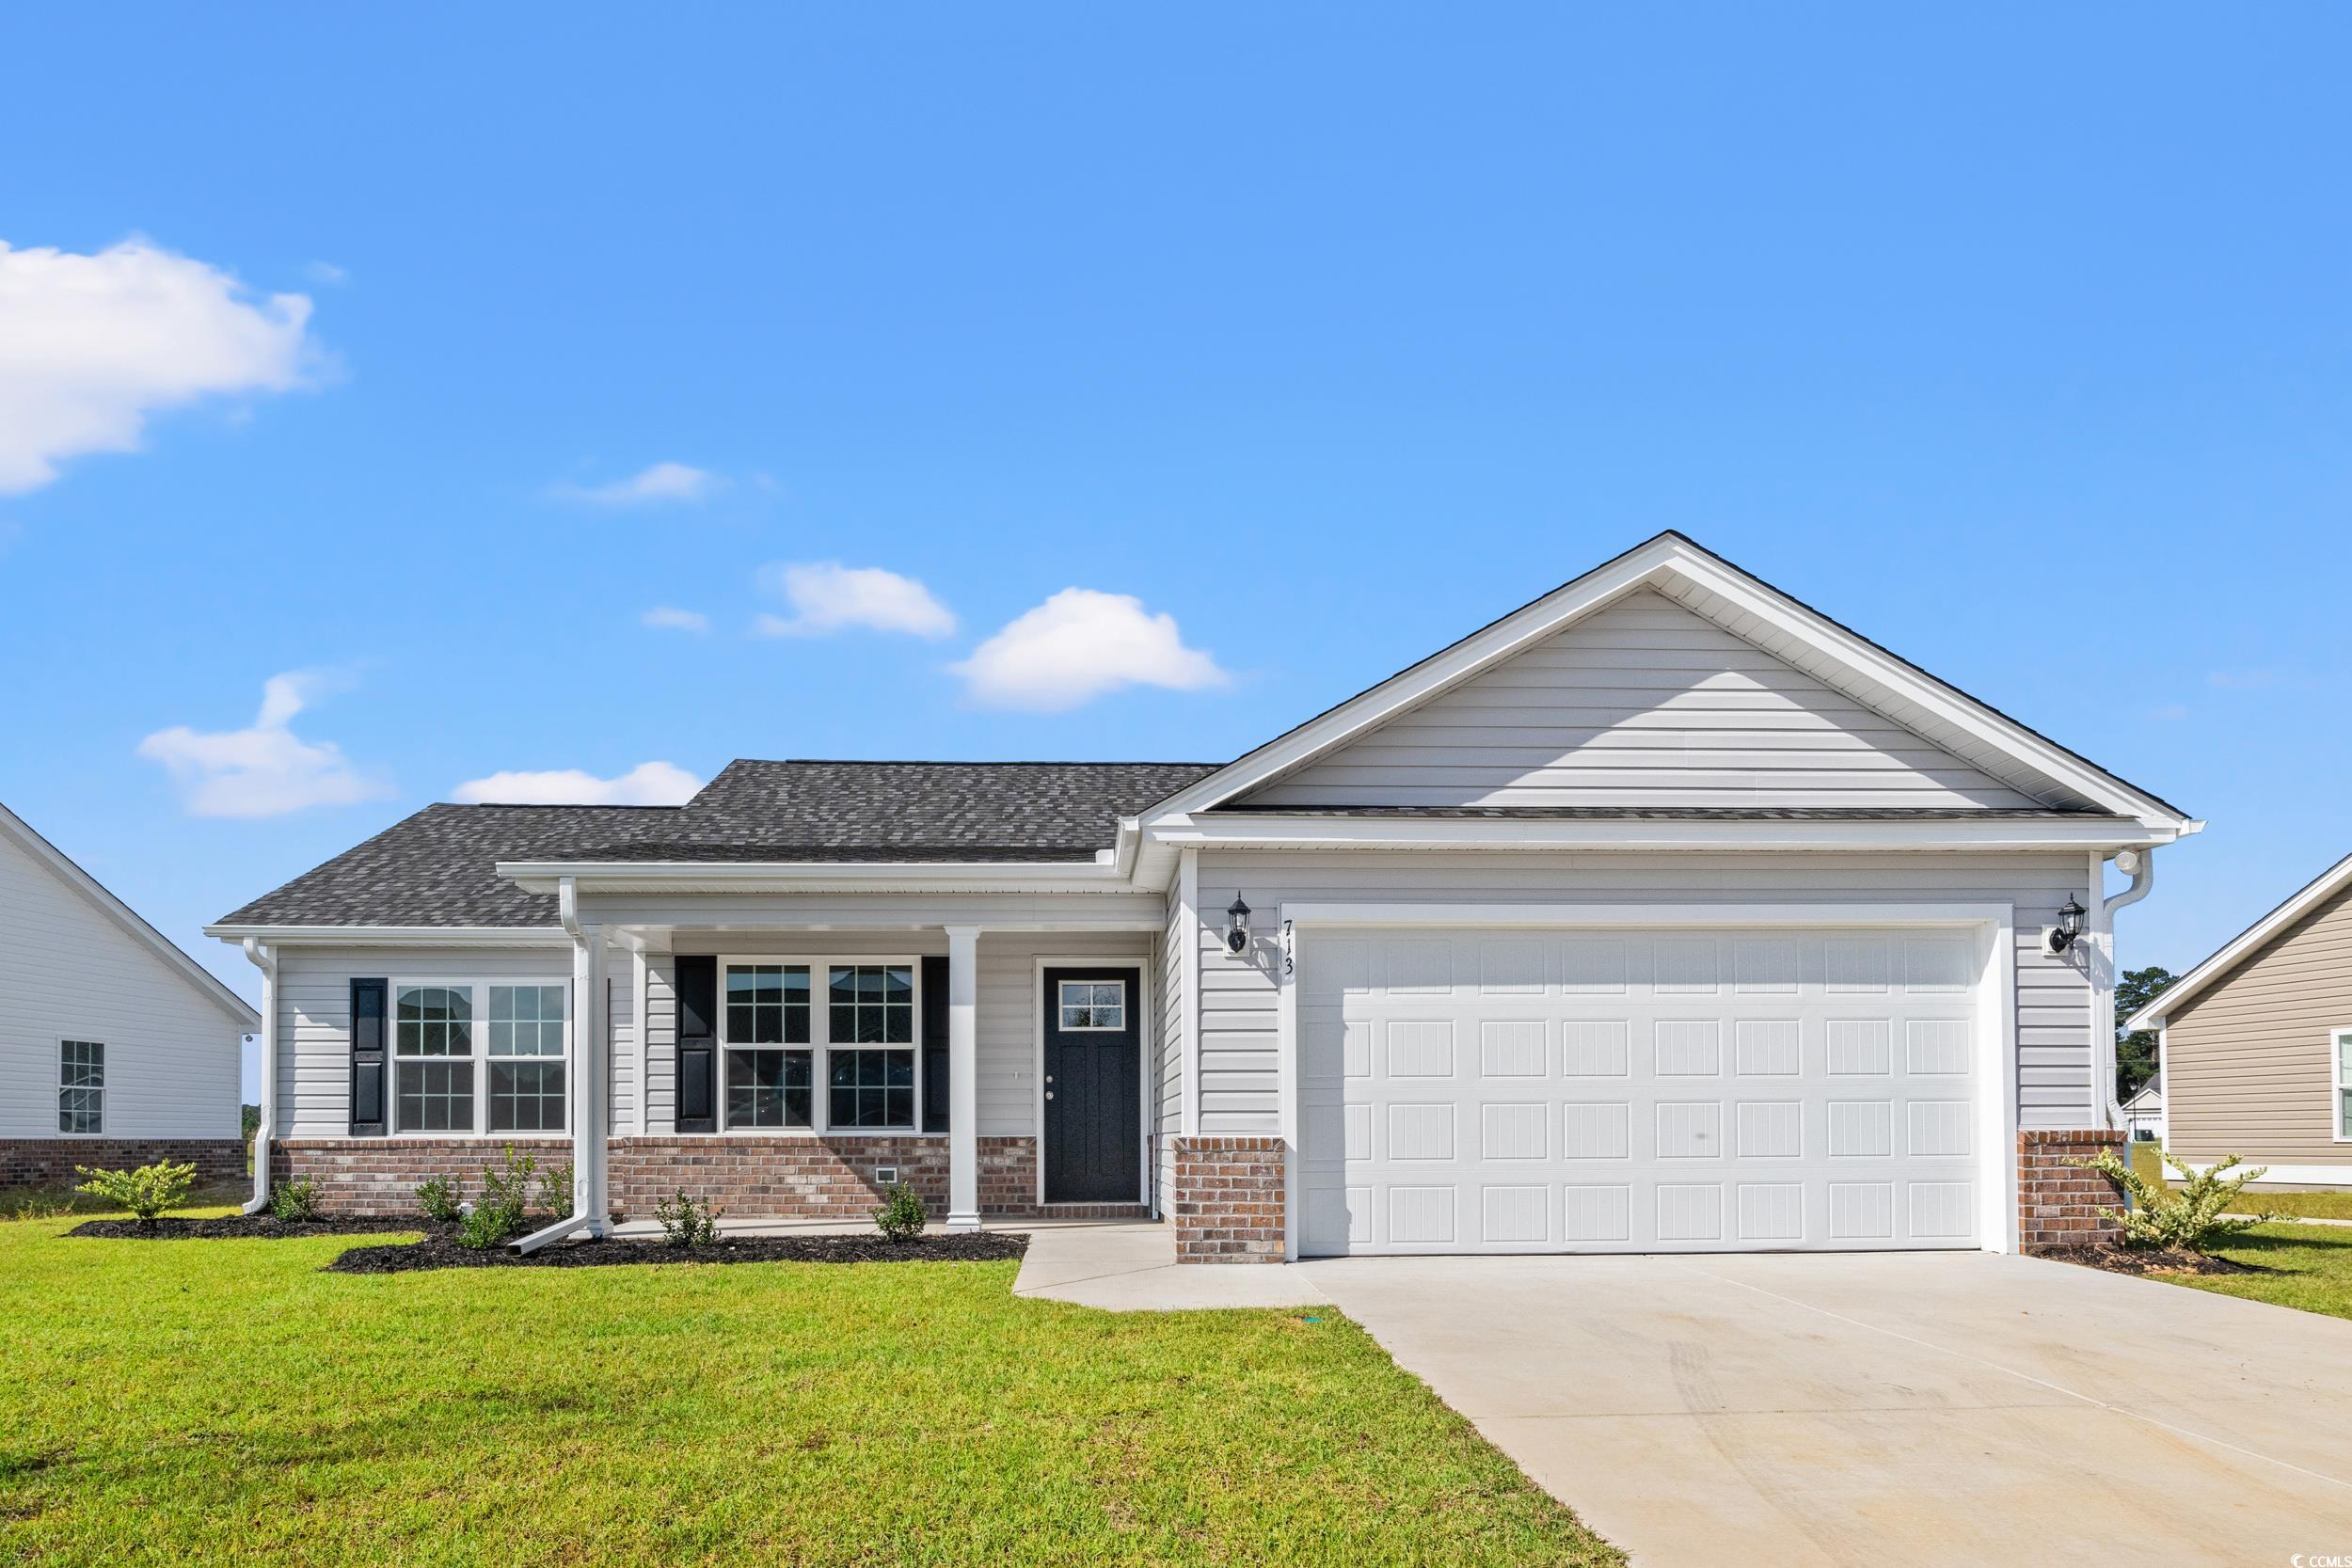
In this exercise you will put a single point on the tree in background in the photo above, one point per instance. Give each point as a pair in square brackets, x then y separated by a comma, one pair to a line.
[2136, 1054]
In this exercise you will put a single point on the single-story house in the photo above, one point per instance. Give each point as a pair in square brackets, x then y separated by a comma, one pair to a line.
[116, 1048]
[2255, 1043]
[2143, 1113]
[1663, 913]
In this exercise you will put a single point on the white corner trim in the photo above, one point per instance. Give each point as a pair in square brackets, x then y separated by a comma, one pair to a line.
[64, 869]
[1188, 1027]
[2244, 945]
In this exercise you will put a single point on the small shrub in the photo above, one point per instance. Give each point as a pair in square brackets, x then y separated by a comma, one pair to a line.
[555, 1191]
[439, 1198]
[498, 1215]
[294, 1202]
[486, 1228]
[686, 1223]
[901, 1216]
[145, 1192]
[2191, 1217]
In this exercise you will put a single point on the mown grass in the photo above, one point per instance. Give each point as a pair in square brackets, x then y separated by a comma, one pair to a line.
[2305, 1266]
[176, 1402]
[2330, 1205]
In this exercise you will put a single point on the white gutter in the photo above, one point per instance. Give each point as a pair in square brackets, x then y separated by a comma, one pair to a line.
[2140, 865]
[589, 1145]
[264, 959]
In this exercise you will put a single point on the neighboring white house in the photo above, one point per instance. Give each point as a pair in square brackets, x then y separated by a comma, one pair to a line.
[116, 1048]
[1663, 913]
[2143, 1114]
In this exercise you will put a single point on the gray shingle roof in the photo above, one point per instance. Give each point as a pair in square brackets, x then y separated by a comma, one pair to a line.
[439, 866]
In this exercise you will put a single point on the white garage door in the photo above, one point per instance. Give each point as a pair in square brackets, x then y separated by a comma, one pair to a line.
[1669, 1091]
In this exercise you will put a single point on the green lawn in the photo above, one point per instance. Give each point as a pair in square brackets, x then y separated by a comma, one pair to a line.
[2307, 1266]
[175, 1402]
[2330, 1206]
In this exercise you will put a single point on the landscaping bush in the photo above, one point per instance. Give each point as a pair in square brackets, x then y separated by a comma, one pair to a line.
[686, 1223]
[500, 1214]
[145, 1192]
[555, 1191]
[439, 1200]
[293, 1202]
[2190, 1216]
[901, 1216]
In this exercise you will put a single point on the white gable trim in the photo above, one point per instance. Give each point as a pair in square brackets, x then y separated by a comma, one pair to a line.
[53, 860]
[2242, 946]
[1672, 560]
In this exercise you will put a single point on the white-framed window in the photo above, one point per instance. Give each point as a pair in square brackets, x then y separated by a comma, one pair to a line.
[2339, 1053]
[81, 1086]
[480, 1056]
[779, 1044]
[1092, 1005]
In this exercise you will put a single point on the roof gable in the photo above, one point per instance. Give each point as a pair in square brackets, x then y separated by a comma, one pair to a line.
[1673, 567]
[1640, 703]
[2314, 901]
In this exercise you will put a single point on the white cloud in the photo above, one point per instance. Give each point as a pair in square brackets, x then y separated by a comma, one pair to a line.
[661, 617]
[90, 345]
[649, 784]
[827, 596]
[265, 770]
[326, 273]
[2242, 680]
[659, 485]
[1079, 644]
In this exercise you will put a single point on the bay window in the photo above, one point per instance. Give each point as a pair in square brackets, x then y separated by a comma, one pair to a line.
[480, 1058]
[779, 1044]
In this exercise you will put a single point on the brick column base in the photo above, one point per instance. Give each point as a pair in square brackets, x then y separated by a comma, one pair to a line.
[2058, 1206]
[1228, 1200]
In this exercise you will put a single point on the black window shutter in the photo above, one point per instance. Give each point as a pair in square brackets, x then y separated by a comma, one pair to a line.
[935, 1045]
[697, 982]
[367, 1058]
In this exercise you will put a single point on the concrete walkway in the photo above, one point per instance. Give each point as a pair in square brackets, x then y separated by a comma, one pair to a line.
[1913, 1408]
[1131, 1268]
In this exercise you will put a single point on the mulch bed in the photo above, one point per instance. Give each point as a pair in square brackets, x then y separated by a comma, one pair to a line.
[440, 1250]
[2144, 1261]
[233, 1226]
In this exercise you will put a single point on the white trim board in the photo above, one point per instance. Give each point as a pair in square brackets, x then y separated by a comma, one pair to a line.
[62, 867]
[1994, 993]
[2242, 946]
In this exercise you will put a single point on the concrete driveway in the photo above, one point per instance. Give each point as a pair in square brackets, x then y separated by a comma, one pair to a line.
[1907, 1408]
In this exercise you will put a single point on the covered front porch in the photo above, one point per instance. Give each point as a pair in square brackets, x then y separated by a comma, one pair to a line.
[790, 1058]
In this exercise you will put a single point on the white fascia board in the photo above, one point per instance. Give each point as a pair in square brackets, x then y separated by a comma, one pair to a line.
[1666, 554]
[2242, 946]
[819, 875]
[126, 919]
[396, 936]
[1275, 830]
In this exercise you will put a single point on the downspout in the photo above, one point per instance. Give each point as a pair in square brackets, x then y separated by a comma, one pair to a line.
[588, 1097]
[264, 959]
[2140, 865]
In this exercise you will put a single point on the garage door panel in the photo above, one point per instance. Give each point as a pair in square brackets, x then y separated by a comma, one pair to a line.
[1491, 1091]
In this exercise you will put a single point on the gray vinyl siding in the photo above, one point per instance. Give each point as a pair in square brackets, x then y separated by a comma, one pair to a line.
[1641, 702]
[69, 972]
[314, 1015]
[2056, 1032]
[2246, 1065]
[1006, 1046]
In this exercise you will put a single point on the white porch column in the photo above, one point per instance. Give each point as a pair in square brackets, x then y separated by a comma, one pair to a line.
[592, 1083]
[963, 1078]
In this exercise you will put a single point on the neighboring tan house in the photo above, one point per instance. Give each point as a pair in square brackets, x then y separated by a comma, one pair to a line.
[2255, 1043]
[116, 1048]
[1663, 913]
[2143, 1114]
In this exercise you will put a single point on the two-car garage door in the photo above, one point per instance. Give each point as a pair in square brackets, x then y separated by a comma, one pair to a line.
[1474, 1090]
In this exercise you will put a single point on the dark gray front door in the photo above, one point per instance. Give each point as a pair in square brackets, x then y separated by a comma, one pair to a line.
[1093, 1085]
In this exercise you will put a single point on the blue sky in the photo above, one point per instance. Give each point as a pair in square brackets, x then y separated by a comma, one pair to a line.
[2017, 341]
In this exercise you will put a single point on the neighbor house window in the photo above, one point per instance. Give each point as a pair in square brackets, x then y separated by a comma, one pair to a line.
[869, 1006]
[480, 1058]
[81, 1086]
[1093, 1004]
[769, 1071]
[2342, 1043]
